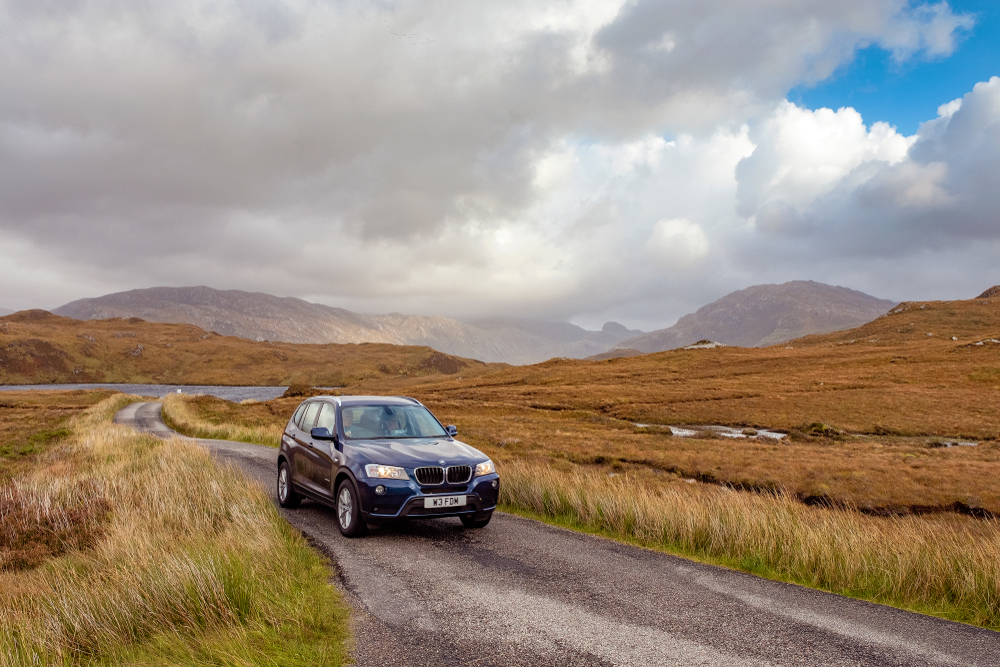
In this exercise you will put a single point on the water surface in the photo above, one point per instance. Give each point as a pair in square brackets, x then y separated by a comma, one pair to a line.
[161, 390]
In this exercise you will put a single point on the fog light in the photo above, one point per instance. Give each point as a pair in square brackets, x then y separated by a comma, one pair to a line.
[495, 484]
[380, 489]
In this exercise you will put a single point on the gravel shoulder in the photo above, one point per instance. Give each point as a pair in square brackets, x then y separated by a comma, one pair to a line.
[520, 592]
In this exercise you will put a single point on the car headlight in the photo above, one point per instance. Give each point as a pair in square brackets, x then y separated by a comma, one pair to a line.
[485, 468]
[385, 472]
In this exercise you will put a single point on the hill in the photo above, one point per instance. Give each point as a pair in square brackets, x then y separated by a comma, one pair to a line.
[767, 314]
[257, 316]
[38, 347]
[5, 311]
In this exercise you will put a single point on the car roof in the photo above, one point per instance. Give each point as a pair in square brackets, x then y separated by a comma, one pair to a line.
[370, 400]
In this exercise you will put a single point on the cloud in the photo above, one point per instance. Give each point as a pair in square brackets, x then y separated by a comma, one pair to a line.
[727, 55]
[802, 154]
[677, 242]
[576, 159]
[876, 193]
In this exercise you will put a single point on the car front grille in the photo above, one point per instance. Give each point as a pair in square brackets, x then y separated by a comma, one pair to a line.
[434, 475]
[429, 475]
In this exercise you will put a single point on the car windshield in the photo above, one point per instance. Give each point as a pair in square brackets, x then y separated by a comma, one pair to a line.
[390, 421]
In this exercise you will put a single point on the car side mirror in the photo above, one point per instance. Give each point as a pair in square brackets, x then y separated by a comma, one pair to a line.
[321, 433]
[451, 429]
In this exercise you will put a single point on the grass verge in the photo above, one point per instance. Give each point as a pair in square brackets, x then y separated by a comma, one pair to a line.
[184, 562]
[200, 417]
[948, 568]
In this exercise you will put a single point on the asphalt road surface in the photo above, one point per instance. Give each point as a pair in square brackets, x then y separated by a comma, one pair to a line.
[520, 592]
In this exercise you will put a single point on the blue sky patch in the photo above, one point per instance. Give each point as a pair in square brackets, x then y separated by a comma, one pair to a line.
[909, 93]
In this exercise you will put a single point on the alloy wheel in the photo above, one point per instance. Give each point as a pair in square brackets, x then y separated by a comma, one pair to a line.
[344, 507]
[283, 484]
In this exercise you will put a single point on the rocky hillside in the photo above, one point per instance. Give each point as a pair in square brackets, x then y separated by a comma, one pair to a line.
[767, 314]
[259, 317]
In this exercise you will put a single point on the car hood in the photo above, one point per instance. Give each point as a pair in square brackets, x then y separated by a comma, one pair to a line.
[418, 452]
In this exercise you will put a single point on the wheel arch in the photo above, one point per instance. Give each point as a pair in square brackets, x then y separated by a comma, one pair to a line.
[341, 476]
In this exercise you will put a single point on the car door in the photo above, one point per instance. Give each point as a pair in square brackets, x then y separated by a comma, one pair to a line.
[302, 454]
[323, 455]
[290, 441]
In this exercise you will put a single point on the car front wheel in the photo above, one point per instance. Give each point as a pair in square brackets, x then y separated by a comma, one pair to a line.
[286, 494]
[348, 508]
[469, 520]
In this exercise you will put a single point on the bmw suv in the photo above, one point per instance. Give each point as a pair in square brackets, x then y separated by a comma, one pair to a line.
[378, 459]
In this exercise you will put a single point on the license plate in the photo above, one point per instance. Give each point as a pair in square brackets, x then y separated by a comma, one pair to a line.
[444, 501]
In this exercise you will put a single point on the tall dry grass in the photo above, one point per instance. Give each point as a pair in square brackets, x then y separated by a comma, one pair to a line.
[180, 415]
[193, 566]
[947, 568]
[41, 520]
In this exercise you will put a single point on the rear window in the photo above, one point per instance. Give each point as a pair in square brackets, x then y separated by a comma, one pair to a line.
[309, 417]
[390, 421]
[297, 417]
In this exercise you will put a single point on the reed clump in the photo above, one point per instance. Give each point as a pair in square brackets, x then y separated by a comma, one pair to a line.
[191, 564]
[187, 415]
[949, 568]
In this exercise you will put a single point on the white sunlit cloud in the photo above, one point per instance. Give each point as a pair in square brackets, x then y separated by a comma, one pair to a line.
[882, 192]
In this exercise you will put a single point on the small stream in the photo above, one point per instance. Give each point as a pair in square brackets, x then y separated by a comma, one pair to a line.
[726, 431]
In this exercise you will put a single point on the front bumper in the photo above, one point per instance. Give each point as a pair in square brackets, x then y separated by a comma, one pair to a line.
[405, 498]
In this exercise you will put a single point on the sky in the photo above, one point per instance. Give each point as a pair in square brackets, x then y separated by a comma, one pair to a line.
[577, 160]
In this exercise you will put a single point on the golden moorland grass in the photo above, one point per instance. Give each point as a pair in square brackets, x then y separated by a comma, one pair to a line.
[33, 422]
[888, 393]
[178, 565]
[204, 416]
[948, 567]
[879, 475]
[37, 347]
[885, 378]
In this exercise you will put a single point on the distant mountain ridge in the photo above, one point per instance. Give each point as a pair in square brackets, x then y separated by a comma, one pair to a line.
[5, 311]
[259, 316]
[767, 314]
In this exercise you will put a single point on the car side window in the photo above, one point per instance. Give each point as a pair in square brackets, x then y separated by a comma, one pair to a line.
[309, 418]
[328, 418]
[297, 417]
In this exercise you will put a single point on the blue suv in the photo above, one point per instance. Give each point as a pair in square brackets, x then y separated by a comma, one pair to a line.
[378, 459]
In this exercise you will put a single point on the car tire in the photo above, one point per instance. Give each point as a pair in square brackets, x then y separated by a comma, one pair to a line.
[470, 521]
[287, 497]
[348, 511]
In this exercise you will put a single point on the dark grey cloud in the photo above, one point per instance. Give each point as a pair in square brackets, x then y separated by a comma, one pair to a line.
[438, 157]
